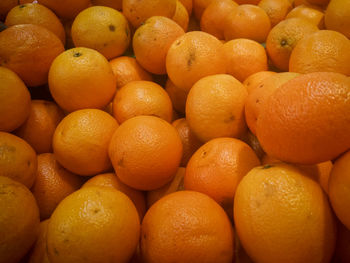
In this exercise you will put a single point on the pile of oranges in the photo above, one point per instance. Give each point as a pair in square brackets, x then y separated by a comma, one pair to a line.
[175, 131]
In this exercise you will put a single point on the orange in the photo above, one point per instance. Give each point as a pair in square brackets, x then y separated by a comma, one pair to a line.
[281, 215]
[116, 4]
[145, 152]
[258, 96]
[337, 17]
[247, 21]
[339, 182]
[193, 56]
[36, 14]
[19, 220]
[15, 100]
[215, 107]
[81, 78]
[217, 167]
[181, 16]
[294, 123]
[94, 224]
[256, 79]
[127, 69]
[199, 6]
[137, 11]
[38, 252]
[5, 7]
[188, 4]
[310, 13]
[325, 50]
[142, 97]
[342, 249]
[213, 17]
[103, 29]
[190, 142]
[29, 50]
[152, 40]
[276, 9]
[38, 129]
[17, 159]
[177, 184]
[186, 226]
[111, 180]
[283, 38]
[81, 139]
[52, 184]
[244, 57]
[178, 96]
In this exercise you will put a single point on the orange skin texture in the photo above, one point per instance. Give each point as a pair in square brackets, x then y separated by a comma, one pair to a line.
[256, 79]
[17, 160]
[337, 17]
[313, 14]
[145, 152]
[281, 215]
[193, 56]
[39, 251]
[40, 126]
[178, 96]
[152, 40]
[324, 50]
[276, 9]
[142, 98]
[17, 232]
[217, 167]
[29, 50]
[181, 16]
[186, 226]
[294, 123]
[52, 184]
[15, 100]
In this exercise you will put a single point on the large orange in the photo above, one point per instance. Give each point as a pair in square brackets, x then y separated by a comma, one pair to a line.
[17, 159]
[337, 16]
[94, 224]
[193, 56]
[281, 215]
[324, 50]
[19, 220]
[52, 184]
[81, 139]
[187, 227]
[304, 122]
[215, 107]
[145, 152]
[103, 29]
[29, 50]
[81, 78]
[276, 9]
[217, 167]
[15, 100]
[152, 40]
[142, 98]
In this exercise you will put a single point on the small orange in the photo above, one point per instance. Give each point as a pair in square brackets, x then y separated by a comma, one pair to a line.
[324, 50]
[111, 180]
[137, 11]
[193, 56]
[215, 107]
[213, 17]
[217, 167]
[29, 50]
[145, 152]
[190, 142]
[186, 226]
[281, 215]
[81, 78]
[178, 96]
[116, 4]
[142, 97]
[52, 184]
[152, 40]
[81, 139]
[93, 224]
[244, 57]
[283, 38]
[103, 29]
[17, 159]
[256, 79]
[19, 220]
[15, 100]
[310, 13]
[181, 16]
[38, 253]
[247, 21]
[337, 17]
[38, 129]
[276, 9]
